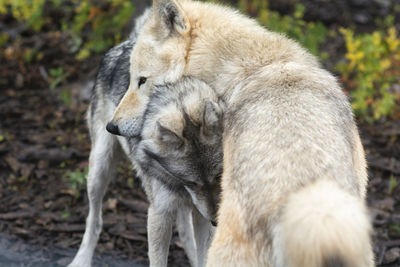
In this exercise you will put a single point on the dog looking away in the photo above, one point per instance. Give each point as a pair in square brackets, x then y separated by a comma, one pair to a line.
[182, 137]
[180, 158]
[289, 137]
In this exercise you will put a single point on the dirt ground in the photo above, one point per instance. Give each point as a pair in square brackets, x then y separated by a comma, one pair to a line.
[44, 148]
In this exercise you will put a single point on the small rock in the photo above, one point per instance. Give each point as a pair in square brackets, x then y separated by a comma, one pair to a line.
[386, 204]
[27, 170]
[112, 203]
[362, 18]
[395, 88]
[391, 255]
[109, 245]
[14, 164]
[383, 3]
[40, 173]
[19, 81]
[10, 53]
[43, 164]
[64, 261]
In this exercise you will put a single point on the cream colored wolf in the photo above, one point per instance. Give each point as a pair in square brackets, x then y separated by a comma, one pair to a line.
[294, 179]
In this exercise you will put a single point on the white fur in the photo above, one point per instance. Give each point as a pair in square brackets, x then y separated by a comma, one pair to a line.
[288, 125]
[103, 162]
[320, 221]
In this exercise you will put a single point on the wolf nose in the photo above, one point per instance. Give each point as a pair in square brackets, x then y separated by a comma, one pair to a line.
[112, 128]
[214, 223]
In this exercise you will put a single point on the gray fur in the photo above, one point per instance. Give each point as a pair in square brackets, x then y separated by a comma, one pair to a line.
[185, 196]
[192, 159]
[335, 262]
[113, 75]
[179, 170]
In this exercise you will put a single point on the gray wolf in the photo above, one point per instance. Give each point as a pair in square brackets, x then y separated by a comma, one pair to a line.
[179, 164]
[181, 138]
[294, 173]
[180, 152]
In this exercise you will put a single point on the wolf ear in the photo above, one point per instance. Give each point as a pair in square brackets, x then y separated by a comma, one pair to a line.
[212, 119]
[168, 136]
[169, 15]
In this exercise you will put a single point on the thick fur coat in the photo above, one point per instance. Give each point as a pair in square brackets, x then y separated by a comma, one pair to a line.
[294, 178]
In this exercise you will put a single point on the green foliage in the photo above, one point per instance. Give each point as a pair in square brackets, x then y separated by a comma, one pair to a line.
[130, 182]
[3, 38]
[65, 215]
[309, 34]
[93, 25]
[29, 11]
[395, 228]
[76, 179]
[393, 183]
[371, 72]
[57, 76]
[66, 97]
[29, 55]
[105, 27]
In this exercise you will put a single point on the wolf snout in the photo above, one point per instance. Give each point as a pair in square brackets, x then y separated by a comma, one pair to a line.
[128, 128]
[113, 128]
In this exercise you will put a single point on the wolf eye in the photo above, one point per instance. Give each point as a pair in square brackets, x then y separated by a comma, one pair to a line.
[142, 80]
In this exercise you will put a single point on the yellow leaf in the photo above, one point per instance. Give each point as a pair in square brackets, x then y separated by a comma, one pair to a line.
[357, 43]
[376, 37]
[3, 9]
[385, 64]
[360, 55]
[392, 41]
[83, 54]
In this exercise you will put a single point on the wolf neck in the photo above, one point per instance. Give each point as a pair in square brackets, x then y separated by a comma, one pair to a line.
[227, 49]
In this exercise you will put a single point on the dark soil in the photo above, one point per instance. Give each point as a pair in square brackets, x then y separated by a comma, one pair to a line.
[44, 144]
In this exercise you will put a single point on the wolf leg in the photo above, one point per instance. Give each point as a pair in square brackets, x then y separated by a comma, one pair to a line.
[203, 234]
[195, 233]
[102, 168]
[160, 219]
[184, 223]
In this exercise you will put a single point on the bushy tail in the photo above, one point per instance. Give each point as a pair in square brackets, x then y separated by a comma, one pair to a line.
[325, 226]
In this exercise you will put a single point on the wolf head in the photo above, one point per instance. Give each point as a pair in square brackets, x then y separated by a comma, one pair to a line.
[182, 144]
[158, 57]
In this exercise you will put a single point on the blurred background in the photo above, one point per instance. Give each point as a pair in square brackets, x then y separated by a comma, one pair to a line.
[50, 51]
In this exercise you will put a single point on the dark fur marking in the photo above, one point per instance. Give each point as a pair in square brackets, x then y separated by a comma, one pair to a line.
[196, 165]
[334, 262]
[167, 170]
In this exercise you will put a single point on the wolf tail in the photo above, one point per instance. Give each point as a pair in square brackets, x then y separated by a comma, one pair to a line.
[325, 226]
